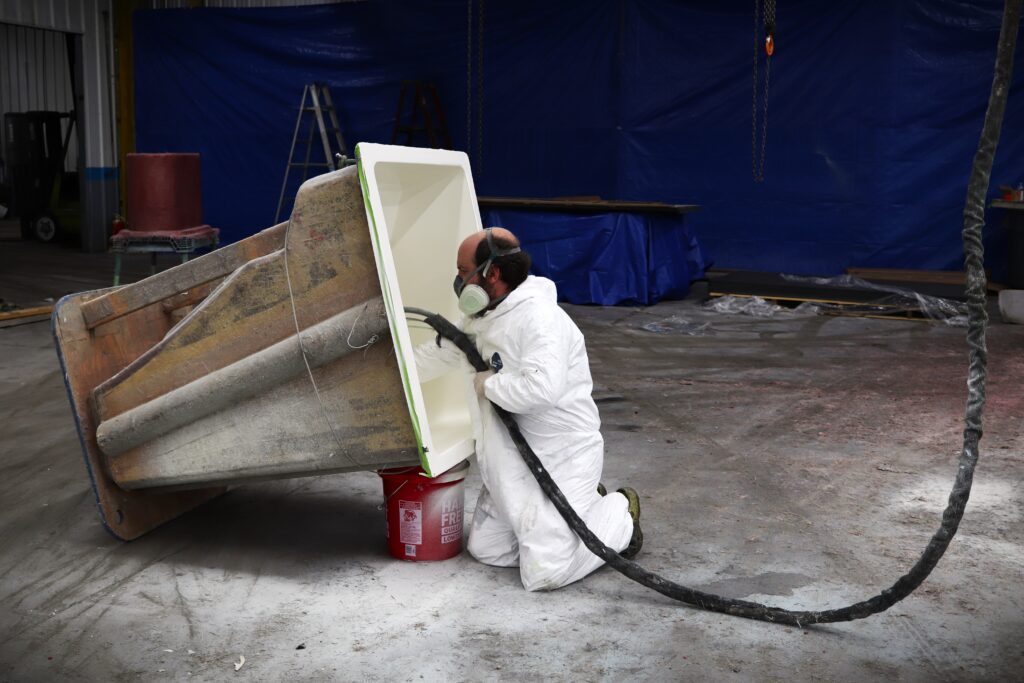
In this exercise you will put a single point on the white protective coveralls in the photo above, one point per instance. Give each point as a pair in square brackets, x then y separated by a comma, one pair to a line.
[545, 383]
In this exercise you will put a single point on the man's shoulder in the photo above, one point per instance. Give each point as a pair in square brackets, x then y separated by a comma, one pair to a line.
[536, 303]
[540, 316]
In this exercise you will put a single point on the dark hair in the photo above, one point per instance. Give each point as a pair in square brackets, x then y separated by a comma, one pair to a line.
[514, 267]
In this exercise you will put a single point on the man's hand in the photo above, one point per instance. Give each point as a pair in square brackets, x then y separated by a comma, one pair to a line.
[479, 379]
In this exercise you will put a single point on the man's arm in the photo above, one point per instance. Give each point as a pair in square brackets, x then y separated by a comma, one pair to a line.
[540, 379]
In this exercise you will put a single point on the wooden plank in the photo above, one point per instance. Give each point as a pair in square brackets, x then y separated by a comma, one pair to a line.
[775, 284]
[190, 297]
[949, 277]
[945, 277]
[584, 205]
[206, 268]
[897, 311]
[26, 313]
[800, 299]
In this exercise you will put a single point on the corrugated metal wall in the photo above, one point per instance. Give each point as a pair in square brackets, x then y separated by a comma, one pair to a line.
[61, 15]
[175, 4]
[32, 67]
[34, 75]
[91, 20]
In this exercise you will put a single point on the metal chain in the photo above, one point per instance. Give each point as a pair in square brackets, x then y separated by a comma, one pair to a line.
[753, 95]
[767, 13]
[764, 120]
[480, 90]
[469, 75]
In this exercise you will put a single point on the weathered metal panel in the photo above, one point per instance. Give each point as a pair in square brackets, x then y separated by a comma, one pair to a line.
[97, 94]
[96, 118]
[87, 359]
[224, 395]
[179, 4]
[257, 373]
[256, 422]
[92, 21]
[56, 15]
[34, 75]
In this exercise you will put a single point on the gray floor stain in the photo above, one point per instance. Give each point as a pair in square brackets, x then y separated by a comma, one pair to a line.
[769, 583]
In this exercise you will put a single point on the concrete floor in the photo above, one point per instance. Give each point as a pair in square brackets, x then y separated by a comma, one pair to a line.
[804, 462]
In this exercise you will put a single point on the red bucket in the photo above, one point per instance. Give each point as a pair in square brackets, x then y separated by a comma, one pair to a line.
[424, 515]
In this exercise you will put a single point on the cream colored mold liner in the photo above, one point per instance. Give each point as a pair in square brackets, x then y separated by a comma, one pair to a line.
[420, 204]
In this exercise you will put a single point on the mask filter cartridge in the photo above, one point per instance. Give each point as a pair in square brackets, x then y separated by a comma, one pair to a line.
[473, 299]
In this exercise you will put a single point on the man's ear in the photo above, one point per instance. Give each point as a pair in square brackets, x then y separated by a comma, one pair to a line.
[494, 274]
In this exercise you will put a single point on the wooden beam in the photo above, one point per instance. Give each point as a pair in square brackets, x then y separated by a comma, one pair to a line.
[191, 297]
[26, 313]
[587, 205]
[213, 266]
[944, 277]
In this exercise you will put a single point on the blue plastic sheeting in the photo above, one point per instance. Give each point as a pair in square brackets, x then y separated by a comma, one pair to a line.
[608, 258]
[674, 258]
[874, 113]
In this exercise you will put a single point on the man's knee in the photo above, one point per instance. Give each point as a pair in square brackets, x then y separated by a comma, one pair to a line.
[538, 577]
[497, 550]
[491, 539]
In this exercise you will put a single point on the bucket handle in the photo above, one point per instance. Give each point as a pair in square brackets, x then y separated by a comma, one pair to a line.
[381, 506]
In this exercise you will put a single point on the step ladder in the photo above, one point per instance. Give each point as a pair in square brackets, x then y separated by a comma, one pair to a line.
[426, 116]
[316, 100]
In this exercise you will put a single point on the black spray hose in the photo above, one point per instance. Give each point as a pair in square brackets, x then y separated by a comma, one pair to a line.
[974, 213]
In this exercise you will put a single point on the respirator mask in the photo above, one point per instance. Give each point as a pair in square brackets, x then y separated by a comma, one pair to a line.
[473, 299]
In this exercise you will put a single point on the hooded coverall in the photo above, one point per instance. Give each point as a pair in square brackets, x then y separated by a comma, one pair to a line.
[545, 383]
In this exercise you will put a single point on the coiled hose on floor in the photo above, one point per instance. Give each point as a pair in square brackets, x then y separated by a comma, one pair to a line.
[974, 213]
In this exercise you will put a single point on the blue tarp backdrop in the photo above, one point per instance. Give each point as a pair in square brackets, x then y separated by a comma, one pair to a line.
[874, 111]
[608, 258]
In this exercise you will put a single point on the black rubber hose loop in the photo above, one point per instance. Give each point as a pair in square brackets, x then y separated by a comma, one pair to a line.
[974, 213]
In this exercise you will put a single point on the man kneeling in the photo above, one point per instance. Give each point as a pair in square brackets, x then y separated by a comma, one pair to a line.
[542, 376]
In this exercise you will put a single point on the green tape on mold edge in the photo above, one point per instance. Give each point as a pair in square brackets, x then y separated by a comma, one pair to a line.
[390, 305]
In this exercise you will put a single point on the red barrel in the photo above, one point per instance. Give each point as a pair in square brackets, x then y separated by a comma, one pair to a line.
[164, 192]
[423, 514]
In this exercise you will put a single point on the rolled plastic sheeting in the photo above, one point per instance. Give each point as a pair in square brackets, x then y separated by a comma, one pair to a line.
[164, 192]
